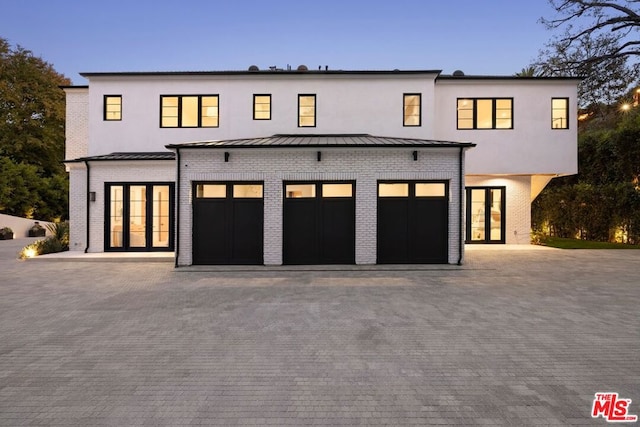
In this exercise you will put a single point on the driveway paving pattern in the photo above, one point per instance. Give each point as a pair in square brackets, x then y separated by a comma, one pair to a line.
[513, 337]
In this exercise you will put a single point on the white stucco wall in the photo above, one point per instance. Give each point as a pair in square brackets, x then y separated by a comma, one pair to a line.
[273, 166]
[345, 103]
[532, 146]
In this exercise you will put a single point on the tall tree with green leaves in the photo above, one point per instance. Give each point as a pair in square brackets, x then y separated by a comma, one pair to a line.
[32, 117]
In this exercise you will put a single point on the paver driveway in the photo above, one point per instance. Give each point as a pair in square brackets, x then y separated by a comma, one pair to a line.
[524, 337]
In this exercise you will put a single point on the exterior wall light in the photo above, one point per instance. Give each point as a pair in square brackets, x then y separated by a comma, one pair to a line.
[226, 156]
[92, 196]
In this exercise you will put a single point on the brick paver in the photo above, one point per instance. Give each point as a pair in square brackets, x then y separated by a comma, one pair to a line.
[511, 338]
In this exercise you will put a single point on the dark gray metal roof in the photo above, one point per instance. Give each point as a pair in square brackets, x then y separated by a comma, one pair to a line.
[319, 141]
[162, 155]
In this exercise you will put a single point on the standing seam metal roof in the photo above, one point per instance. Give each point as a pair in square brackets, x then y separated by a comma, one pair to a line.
[331, 140]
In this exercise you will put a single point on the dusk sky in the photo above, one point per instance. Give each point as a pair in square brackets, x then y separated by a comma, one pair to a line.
[496, 37]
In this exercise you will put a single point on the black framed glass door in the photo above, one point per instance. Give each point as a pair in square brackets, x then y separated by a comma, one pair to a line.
[139, 217]
[485, 215]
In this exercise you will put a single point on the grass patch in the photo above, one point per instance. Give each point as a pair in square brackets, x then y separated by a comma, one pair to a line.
[563, 243]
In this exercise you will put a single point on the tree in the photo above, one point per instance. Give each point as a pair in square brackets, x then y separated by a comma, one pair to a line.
[32, 117]
[599, 42]
[32, 110]
[585, 20]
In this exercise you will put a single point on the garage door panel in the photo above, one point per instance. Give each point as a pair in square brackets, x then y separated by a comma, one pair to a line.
[228, 230]
[209, 232]
[300, 230]
[393, 230]
[429, 219]
[412, 223]
[247, 238]
[319, 223]
[338, 231]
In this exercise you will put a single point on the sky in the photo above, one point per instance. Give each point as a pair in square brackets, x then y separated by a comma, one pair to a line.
[483, 37]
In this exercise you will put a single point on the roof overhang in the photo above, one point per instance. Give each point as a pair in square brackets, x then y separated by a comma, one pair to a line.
[295, 141]
[161, 155]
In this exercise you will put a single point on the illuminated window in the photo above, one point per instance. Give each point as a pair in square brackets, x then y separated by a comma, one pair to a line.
[211, 191]
[261, 107]
[113, 107]
[430, 189]
[337, 190]
[400, 189]
[296, 191]
[189, 111]
[485, 113]
[306, 111]
[412, 109]
[247, 191]
[560, 113]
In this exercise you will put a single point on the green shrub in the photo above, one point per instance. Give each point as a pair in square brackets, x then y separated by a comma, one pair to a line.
[57, 242]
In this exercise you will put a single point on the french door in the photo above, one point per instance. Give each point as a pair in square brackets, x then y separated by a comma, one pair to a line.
[139, 216]
[485, 215]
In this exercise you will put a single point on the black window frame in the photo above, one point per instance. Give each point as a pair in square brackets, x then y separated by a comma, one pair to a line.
[105, 111]
[404, 105]
[315, 110]
[494, 110]
[255, 96]
[179, 113]
[566, 112]
[487, 202]
[412, 188]
[148, 213]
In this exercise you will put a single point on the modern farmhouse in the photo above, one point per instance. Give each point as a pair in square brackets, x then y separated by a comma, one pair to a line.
[312, 166]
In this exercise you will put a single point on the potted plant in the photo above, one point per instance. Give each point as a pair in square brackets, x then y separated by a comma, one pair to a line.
[6, 233]
[37, 230]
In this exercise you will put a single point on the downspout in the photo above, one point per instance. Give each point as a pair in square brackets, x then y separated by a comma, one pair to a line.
[461, 214]
[86, 163]
[177, 208]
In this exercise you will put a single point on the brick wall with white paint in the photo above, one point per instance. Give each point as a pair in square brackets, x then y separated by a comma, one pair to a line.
[77, 206]
[273, 166]
[77, 123]
[518, 204]
[120, 171]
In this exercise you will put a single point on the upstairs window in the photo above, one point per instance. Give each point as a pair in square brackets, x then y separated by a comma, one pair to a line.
[189, 111]
[485, 113]
[113, 107]
[412, 111]
[306, 111]
[559, 113]
[261, 107]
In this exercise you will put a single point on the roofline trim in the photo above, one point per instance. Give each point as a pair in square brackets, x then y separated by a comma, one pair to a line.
[250, 73]
[479, 77]
[288, 147]
[104, 157]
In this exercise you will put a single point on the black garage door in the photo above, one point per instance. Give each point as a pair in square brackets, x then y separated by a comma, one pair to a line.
[319, 223]
[228, 222]
[412, 222]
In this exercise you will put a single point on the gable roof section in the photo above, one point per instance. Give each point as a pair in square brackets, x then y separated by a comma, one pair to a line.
[322, 141]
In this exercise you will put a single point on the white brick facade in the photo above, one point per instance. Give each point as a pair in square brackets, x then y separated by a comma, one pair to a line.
[273, 166]
[77, 123]
[518, 204]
